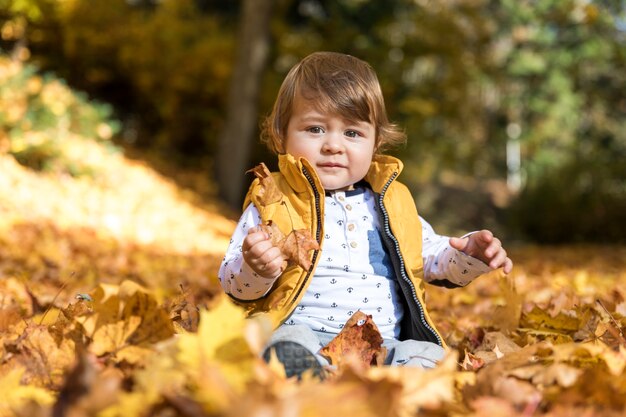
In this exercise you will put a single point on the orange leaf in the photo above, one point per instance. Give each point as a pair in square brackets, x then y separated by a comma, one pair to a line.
[276, 236]
[269, 192]
[296, 247]
[359, 339]
[472, 362]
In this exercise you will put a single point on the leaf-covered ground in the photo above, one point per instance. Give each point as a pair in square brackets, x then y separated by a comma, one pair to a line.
[109, 306]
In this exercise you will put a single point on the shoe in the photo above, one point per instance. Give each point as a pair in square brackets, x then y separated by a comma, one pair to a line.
[295, 358]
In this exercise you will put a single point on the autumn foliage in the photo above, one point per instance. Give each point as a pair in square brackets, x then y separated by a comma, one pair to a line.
[109, 306]
[546, 341]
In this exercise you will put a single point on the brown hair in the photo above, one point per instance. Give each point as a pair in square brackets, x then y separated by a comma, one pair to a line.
[336, 83]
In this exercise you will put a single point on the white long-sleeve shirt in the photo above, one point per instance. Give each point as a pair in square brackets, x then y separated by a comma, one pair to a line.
[354, 271]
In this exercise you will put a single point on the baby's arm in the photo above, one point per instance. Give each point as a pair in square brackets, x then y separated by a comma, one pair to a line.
[241, 273]
[449, 262]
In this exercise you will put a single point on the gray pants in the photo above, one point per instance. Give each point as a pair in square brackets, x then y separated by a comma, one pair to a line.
[399, 353]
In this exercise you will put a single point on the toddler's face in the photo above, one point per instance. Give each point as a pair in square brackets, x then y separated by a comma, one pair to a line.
[340, 150]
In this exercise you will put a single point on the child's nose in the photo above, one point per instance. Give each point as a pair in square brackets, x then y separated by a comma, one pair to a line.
[333, 143]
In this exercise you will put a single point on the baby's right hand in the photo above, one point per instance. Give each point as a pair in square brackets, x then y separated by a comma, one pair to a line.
[261, 255]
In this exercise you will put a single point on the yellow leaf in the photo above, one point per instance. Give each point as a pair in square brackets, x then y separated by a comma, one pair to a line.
[162, 373]
[13, 395]
[507, 317]
[220, 342]
[46, 362]
[155, 323]
[113, 336]
[421, 388]
[133, 354]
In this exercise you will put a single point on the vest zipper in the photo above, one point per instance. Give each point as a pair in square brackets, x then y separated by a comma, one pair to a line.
[401, 267]
[318, 232]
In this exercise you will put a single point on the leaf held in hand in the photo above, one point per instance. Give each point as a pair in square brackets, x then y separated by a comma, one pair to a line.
[360, 339]
[297, 245]
[269, 192]
[276, 236]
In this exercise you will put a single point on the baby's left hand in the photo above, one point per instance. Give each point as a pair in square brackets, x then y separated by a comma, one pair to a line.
[484, 246]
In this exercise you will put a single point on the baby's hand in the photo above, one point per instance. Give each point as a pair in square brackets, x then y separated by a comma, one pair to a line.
[484, 246]
[261, 255]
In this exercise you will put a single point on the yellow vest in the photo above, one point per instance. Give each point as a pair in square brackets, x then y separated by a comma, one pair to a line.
[303, 208]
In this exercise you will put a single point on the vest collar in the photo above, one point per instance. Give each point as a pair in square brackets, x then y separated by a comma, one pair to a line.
[291, 168]
[381, 170]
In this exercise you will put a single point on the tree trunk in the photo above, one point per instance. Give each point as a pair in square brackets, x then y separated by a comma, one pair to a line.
[236, 139]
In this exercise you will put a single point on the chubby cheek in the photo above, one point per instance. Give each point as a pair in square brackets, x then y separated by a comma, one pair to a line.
[298, 148]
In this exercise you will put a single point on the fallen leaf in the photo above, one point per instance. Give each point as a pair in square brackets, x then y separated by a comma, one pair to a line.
[45, 361]
[498, 352]
[297, 245]
[184, 313]
[422, 388]
[220, 342]
[13, 395]
[112, 337]
[507, 317]
[472, 362]
[276, 236]
[268, 192]
[86, 389]
[516, 391]
[493, 407]
[360, 339]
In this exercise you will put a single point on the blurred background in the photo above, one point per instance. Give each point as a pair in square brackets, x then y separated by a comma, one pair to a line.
[514, 109]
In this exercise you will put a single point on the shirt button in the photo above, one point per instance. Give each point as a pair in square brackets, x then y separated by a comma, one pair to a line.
[348, 207]
[353, 244]
[340, 198]
[351, 227]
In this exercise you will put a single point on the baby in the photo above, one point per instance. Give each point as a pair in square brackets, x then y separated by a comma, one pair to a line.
[329, 128]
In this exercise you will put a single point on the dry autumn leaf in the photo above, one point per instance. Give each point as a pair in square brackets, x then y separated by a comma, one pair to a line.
[276, 236]
[269, 192]
[295, 246]
[359, 340]
[97, 231]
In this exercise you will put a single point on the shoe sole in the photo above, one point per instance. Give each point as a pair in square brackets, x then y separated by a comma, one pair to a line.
[295, 358]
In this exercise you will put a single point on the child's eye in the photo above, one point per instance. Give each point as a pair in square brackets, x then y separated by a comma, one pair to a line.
[315, 129]
[352, 133]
